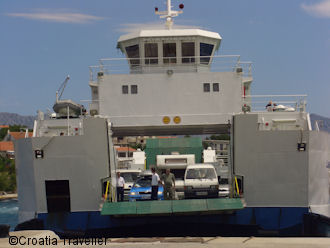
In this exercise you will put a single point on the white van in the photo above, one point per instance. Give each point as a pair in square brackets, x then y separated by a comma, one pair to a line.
[201, 181]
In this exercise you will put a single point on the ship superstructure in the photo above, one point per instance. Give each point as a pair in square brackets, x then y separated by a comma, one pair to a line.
[173, 74]
[171, 82]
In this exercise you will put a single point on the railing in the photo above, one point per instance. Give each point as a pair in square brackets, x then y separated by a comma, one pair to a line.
[59, 127]
[283, 103]
[171, 64]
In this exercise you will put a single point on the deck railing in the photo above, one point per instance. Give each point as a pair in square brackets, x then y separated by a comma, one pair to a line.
[284, 103]
[170, 65]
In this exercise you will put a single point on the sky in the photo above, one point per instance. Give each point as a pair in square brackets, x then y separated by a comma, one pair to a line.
[43, 41]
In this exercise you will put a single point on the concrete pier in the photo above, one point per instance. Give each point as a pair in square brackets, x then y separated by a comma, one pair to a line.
[50, 239]
[8, 196]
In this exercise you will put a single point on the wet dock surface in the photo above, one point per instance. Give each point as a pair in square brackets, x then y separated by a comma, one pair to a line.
[50, 239]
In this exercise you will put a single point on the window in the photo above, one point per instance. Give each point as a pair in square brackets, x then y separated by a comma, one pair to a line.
[201, 173]
[175, 161]
[205, 50]
[224, 181]
[133, 52]
[95, 90]
[58, 196]
[206, 87]
[169, 53]
[125, 89]
[121, 154]
[150, 52]
[134, 89]
[142, 182]
[216, 87]
[129, 176]
[188, 52]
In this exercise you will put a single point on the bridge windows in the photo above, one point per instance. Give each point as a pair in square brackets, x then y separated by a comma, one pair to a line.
[151, 53]
[188, 52]
[158, 52]
[205, 52]
[133, 52]
[169, 53]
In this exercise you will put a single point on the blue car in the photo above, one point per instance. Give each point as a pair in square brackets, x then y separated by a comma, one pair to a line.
[141, 190]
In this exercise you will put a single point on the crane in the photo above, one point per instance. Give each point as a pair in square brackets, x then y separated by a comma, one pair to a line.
[60, 90]
[66, 108]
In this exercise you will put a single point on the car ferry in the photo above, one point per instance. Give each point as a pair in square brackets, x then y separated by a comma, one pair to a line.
[171, 82]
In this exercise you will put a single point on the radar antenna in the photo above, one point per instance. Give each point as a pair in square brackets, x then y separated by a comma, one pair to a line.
[169, 14]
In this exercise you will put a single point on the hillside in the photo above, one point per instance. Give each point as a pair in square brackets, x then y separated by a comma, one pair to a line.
[16, 119]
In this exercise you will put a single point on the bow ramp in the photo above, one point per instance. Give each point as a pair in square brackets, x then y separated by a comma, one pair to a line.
[177, 207]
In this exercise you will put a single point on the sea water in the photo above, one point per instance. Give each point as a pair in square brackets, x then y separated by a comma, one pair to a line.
[9, 213]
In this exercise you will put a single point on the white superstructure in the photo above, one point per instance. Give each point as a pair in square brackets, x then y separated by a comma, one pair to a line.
[175, 82]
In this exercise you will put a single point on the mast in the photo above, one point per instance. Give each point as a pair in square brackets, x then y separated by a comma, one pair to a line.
[169, 14]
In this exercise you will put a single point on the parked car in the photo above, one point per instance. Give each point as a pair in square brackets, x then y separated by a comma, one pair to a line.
[130, 176]
[141, 189]
[201, 181]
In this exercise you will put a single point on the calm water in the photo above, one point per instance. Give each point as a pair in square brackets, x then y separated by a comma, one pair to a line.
[9, 213]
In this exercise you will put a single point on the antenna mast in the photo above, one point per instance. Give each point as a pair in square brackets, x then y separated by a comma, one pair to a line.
[169, 14]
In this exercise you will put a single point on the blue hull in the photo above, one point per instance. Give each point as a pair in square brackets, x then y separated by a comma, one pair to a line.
[249, 221]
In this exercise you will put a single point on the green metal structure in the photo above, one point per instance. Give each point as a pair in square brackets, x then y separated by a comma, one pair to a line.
[165, 146]
[203, 206]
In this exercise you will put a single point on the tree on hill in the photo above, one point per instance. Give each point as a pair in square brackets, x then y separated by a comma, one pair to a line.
[7, 175]
[138, 146]
[3, 133]
[12, 128]
[17, 128]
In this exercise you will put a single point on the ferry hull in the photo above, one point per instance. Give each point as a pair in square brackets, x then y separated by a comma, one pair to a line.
[283, 221]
